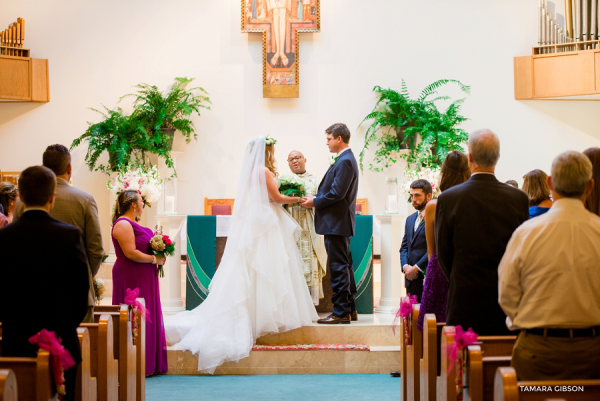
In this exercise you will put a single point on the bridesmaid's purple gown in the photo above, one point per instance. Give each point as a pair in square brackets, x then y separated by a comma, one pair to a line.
[129, 274]
[435, 293]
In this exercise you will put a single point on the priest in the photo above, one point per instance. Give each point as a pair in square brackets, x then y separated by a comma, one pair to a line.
[311, 245]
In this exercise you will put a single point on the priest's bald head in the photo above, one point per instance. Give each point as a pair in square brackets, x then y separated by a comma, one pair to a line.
[297, 162]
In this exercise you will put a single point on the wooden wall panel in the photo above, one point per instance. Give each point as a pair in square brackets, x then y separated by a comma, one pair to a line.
[523, 78]
[14, 79]
[597, 71]
[40, 91]
[557, 76]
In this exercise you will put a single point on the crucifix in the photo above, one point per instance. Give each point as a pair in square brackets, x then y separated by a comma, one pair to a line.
[281, 22]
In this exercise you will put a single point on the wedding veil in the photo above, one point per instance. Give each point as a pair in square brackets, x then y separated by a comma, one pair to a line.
[252, 214]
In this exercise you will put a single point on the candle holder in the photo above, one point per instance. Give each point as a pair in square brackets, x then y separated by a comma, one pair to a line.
[170, 195]
[392, 195]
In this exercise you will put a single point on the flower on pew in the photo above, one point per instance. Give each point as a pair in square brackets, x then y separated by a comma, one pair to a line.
[99, 288]
[462, 339]
[60, 358]
[161, 246]
[131, 297]
[405, 313]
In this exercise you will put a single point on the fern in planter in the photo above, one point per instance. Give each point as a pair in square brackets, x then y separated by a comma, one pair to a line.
[124, 138]
[161, 113]
[399, 121]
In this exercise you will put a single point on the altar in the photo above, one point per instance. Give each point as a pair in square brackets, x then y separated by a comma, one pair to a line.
[205, 242]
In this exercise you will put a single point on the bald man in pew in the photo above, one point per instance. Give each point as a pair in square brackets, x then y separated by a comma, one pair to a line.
[43, 275]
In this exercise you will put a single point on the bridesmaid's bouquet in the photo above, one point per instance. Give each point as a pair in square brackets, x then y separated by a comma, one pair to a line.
[99, 288]
[161, 246]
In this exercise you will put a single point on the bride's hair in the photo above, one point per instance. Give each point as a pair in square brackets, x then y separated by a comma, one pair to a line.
[124, 201]
[270, 159]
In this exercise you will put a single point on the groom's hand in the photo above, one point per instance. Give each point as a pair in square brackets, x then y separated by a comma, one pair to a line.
[411, 272]
[308, 202]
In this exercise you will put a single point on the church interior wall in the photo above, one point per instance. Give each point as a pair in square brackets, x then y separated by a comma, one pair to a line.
[98, 50]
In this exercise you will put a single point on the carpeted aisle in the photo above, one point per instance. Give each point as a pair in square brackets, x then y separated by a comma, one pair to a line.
[274, 387]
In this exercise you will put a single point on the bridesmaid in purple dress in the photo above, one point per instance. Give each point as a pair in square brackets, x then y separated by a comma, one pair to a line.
[136, 268]
[455, 171]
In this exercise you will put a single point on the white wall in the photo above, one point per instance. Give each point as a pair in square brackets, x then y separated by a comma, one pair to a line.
[98, 49]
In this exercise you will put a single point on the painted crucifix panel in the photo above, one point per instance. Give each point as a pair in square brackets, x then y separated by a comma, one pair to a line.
[281, 22]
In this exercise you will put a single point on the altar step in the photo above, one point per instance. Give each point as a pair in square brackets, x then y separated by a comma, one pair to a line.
[373, 331]
[380, 359]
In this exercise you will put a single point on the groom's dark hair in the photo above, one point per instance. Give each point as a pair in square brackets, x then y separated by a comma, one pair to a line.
[339, 129]
[422, 184]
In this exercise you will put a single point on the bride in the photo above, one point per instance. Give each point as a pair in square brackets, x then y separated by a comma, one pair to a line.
[259, 287]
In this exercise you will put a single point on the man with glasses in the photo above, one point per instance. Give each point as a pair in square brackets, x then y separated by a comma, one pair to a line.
[311, 245]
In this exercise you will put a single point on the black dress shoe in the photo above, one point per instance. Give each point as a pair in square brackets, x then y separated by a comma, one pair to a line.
[354, 316]
[395, 374]
[335, 320]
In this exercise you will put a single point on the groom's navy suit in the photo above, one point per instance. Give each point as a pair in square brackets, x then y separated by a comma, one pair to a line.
[335, 216]
[414, 252]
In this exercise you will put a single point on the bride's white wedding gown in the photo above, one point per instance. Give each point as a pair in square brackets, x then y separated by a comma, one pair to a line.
[259, 288]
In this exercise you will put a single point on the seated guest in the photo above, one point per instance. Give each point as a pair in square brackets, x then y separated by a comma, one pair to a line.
[536, 189]
[473, 224]
[8, 200]
[413, 251]
[550, 281]
[78, 208]
[512, 183]
[455, 171]
[592, 203]
[44, 274]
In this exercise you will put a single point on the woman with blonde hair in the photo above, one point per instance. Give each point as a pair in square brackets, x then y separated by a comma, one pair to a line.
[535, 185]
[259, 287]
[136, 267]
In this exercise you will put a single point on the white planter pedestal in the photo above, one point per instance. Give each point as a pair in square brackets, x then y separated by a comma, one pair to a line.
[171, 300]
[392, 278]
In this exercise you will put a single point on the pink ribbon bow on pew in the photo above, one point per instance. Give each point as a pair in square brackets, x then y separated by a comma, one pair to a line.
[131, 299]
[405, 311]
[462, 339]
[61, 358]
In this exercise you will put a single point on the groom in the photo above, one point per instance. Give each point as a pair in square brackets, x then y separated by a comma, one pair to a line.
[335, 214]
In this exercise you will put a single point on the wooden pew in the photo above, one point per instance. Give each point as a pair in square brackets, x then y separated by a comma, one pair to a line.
[124, 351]
[8, 385]
[445, 385]
[33, 375]
[103, 365]
[414, 353]
[506, 388]
[480, 372]
[140, 346]
[86, 388]
[429, 364]
[403, 359]
[490, 346]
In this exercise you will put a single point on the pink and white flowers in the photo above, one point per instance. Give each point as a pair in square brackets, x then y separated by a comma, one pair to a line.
[431, 175]
[146, 181]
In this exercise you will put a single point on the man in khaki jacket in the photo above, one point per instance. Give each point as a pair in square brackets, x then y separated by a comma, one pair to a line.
[75, 207]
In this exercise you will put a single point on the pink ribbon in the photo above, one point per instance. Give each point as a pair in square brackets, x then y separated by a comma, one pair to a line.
[405, 310]
[61, 358]
[462, 339]
[131, 299]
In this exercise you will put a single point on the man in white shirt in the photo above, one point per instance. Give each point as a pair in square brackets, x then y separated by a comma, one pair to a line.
[549, 281]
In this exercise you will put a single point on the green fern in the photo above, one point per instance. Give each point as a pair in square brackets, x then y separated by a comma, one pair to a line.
[397, 121]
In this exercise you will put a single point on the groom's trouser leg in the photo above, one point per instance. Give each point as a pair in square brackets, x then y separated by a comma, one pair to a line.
[340, 268]
[352, 280]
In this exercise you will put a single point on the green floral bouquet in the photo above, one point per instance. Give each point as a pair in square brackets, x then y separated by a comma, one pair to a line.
[291, 185]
